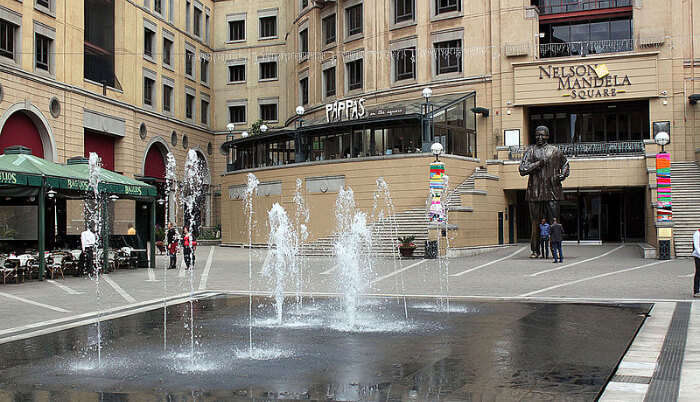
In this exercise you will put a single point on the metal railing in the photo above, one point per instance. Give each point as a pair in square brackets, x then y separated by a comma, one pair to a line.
[568, 6]
[583, 149]
[585, 47]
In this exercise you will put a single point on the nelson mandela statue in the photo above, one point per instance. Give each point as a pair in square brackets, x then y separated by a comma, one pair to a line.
[548, 168]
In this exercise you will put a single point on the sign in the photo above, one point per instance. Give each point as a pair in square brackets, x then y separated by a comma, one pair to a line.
[594, 79]
[8, 177]
[349, 109]
[512, 137]
[584, 81]
[77, 184]
[132, 190]
[387, 111]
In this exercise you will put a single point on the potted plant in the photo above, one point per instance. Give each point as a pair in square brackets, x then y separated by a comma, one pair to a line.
[406, 245]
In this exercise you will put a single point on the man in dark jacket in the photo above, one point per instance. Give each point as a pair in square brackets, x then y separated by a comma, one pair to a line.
[172, 246]
[556, 230]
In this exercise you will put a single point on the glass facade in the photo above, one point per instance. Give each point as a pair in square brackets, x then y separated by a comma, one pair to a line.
[574, 38]
[455, 128]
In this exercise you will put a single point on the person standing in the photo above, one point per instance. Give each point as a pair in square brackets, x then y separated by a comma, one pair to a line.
[696, 257]
[187, 244]
[88, 240]
[172, 246]
[544, 238]
[556, 231]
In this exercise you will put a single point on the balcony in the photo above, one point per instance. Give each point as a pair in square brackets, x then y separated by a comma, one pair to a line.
[589, 149]
[584, 48]
[549, 7]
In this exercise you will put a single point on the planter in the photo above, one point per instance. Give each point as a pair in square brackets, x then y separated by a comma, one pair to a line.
[161, 246]
[406, 251]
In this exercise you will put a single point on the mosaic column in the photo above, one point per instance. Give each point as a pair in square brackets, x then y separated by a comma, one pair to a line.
[663, 188]
[436, 212]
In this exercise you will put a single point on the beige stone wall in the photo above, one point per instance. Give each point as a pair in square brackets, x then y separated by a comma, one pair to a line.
[407, 177]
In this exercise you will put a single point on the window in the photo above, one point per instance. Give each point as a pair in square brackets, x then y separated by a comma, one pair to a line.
[189, 106]
[236, 73]
[304, 43]
[586, 37]
[268, 27]
[8, 33]
[304, 90]
[148, 91]
[446, 6]
[171, 9]
[98, 46]
[206, 28]
[354, 73]
[148, 40]
[329, 82]
[353, 18]
[328, 29]
[43, 50]
[448, 56]
[236, 30]
[197, 22]
[187, 16]
[304, 4]
[205, 111]
[189, 64]
[158, 6]
[404, 63]
[268, 70]
[167, 52]
[236, 114]
[167, 98]
[204, 69]
[268, 112]
[47, 6]
[403, 10]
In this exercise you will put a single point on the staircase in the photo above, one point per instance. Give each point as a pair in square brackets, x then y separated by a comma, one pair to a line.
[685, 182]
[411, 222]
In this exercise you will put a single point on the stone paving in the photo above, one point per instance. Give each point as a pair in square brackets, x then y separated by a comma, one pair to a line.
[608, 273]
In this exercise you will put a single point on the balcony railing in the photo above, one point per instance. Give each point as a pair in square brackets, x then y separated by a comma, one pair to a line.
[583, 149]
[585, 48]
[569, 6]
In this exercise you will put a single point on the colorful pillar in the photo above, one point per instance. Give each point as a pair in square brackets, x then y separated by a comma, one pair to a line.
[664, 210]
[436, 212]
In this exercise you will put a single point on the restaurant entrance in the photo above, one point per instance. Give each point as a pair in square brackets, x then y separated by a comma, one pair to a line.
[594, 215]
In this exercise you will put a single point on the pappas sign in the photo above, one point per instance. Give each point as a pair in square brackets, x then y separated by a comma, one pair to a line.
[132, 190]
[78, 184]
[586, 81]
[345, 109]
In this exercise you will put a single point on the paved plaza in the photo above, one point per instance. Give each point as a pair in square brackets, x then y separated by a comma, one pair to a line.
[610, 273]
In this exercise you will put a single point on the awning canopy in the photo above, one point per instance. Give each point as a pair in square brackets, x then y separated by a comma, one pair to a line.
[18, 167]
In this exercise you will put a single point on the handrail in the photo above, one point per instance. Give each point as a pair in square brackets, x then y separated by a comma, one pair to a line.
[582, 48]
[582, 149]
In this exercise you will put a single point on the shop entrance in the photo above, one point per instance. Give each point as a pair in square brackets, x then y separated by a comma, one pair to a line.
[595, 215]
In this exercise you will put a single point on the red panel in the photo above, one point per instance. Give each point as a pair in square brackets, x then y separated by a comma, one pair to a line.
[20, 130]
[155, 165]
[587, 14]
[102, 145]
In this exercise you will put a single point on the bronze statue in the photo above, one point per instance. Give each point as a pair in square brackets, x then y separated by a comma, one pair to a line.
[547, 167]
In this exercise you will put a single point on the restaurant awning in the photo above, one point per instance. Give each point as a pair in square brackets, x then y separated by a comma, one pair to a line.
[111, 182]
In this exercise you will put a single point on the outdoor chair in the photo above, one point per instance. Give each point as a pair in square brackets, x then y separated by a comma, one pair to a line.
[56, 263]
[10, 270]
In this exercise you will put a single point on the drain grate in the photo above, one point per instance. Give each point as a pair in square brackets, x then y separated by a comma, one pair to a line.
[666, 379]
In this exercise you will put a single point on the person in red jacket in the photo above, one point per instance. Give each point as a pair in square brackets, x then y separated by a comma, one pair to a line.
[189, 244]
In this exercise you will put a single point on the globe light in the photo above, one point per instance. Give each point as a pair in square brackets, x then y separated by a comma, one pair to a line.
[263, 128]
[244, 134]
[230, 127]
[662, 138]
[300, 110]
[436, 149]
[427, 93]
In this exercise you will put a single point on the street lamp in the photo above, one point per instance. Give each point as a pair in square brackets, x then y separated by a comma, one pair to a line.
[51, 194]
[244, 134]
[230, 127]
[300, 112]
[161, 202]
[436, 149]
[263, 128]
[427, 119]
[113, 197]
[427, 93]
[662, 138]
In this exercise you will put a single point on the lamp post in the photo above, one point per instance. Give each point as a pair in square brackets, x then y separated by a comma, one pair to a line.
[300, 112]
[436, 149]
[230, 127]
[427, 119]
[662, 138]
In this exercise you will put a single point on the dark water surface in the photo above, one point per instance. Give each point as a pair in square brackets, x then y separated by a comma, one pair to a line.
[476, 351]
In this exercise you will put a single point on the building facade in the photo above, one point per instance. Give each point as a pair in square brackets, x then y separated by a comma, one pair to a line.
[135, 80]
[604, 76]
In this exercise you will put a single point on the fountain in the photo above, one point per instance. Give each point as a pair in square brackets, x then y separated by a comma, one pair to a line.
[301, 219]
[93, 210]
[353, 248]
[171, 190]
[251, 189]
[281, 260]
